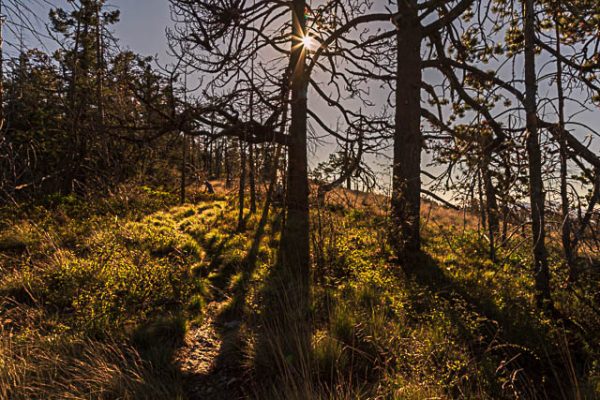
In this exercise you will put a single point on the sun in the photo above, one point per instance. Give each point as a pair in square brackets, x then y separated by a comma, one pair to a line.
[309, 43]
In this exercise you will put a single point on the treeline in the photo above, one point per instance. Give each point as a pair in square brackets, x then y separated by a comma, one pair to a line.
[89, 116]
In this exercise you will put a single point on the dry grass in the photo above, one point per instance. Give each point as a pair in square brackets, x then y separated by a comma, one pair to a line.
[37, 365]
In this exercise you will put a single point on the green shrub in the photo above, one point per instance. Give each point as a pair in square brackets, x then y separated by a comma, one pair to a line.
[99, 295]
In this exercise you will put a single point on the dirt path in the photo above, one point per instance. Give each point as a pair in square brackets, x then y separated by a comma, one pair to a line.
[206, 359]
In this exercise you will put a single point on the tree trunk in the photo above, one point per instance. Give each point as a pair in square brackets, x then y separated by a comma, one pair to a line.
[252, 178]
[406, 183]
[491, 203]
[218, 151]
[1, 77]
[209, 156]
[482, 207]
[73, 117]
[293, 286]
[505, 196]
[183, 171]
[228, 172]
[564, 195]
[536, 184]
[241, 225]
[100, 84]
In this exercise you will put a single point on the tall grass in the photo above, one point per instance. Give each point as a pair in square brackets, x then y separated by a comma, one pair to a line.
[464, 329]
[73, 367]
[87, 293]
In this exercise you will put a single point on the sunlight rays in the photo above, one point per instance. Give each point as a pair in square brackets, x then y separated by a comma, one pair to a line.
[309, 43]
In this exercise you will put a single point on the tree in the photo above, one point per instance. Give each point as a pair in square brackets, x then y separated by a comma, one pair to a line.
[405, 74]
[87, 117]
[81, 56]
[536, 183]
[505, 88]
[215, 38]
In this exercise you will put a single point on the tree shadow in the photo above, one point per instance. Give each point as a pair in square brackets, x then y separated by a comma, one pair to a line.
[230, 321]
[500, 335]
[220, 269]
[157, 343]
[282, 353]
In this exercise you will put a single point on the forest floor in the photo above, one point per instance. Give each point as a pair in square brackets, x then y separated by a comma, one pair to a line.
[136, 297]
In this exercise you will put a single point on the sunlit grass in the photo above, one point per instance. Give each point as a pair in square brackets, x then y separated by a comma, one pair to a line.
[141, 279]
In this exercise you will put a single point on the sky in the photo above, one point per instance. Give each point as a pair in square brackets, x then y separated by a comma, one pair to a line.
[142, 26]
[142, 30]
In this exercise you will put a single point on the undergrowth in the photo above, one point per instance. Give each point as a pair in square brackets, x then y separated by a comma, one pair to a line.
[97, 297]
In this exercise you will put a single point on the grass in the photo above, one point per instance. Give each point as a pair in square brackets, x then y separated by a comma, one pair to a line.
[97, 297]
[76, 368]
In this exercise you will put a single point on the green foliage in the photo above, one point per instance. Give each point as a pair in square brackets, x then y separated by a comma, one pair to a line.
[159, 235]
[104, 297]
[103, 271]
[448, 331]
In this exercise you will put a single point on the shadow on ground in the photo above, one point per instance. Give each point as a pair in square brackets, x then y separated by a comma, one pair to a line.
[537, 373]
[220, 340]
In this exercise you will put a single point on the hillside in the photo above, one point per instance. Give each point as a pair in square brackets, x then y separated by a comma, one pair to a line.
[135, 297]
[177, 220]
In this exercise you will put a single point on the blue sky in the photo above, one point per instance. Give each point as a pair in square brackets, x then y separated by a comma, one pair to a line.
[142, 26]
